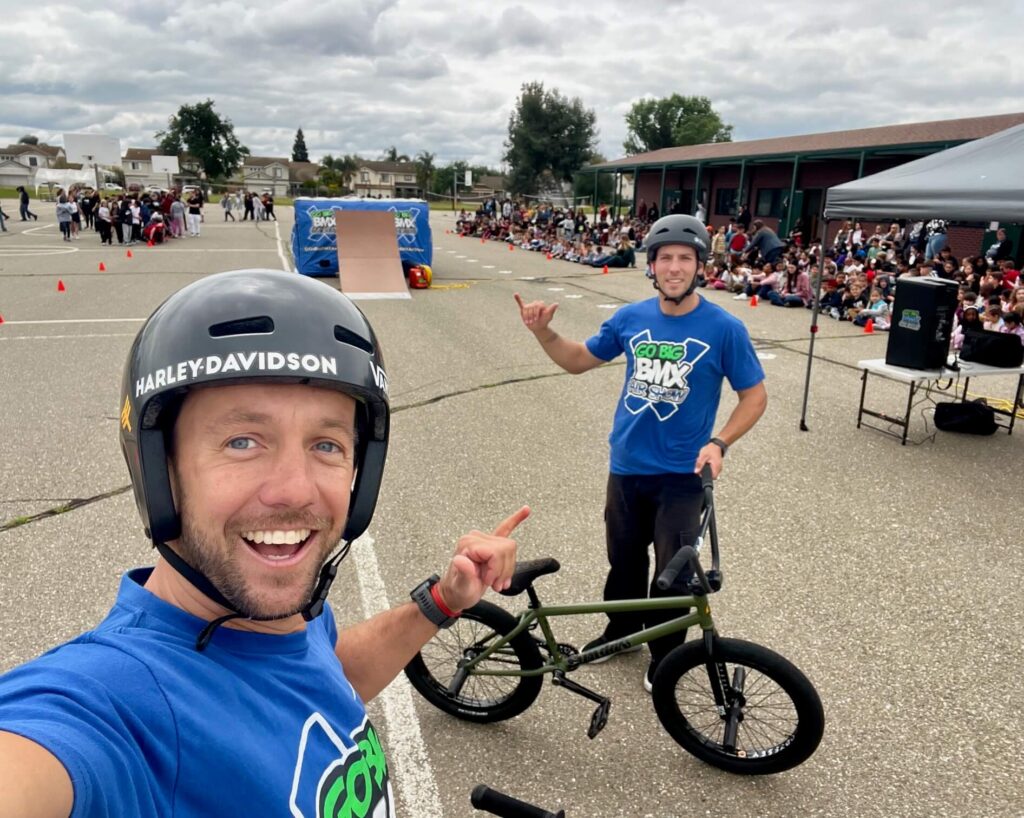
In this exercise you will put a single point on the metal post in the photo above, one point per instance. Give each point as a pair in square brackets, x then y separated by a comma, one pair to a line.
[595, 192]
[661, 192]
[696, 193]
[814, 321]
[792, 194]
[741, 198]
[860, 167]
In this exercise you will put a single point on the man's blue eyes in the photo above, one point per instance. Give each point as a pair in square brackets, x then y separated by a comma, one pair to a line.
[241, 443]
[244, 443]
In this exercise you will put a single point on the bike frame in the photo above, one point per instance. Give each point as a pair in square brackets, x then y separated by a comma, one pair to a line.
[560, 662]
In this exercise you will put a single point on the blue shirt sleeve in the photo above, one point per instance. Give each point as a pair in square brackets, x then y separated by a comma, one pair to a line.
[742, 368]
[607, 344]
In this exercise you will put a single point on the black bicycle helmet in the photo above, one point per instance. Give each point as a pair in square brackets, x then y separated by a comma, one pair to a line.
[248, 326]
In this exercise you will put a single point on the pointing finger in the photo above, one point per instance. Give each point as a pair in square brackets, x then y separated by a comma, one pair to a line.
[519, 301]
[510, 523]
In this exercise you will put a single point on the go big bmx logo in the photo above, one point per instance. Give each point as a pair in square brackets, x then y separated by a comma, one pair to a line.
[340, 779]
[659, 380]
[321, 222]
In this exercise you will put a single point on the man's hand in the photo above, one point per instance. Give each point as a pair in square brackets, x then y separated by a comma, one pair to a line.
[536, 315]
[481, 561]
[709, 454]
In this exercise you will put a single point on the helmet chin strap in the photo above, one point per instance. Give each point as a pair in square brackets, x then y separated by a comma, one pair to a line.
[677, 299]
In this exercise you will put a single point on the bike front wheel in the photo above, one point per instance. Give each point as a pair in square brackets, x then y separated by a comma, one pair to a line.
[436, 674]
[746, 710]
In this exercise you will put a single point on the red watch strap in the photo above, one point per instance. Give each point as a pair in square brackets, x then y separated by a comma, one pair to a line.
[436, 594]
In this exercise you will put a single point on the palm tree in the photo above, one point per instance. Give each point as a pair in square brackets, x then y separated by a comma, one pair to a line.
[347, 167]
[424, 170]
[392, 155]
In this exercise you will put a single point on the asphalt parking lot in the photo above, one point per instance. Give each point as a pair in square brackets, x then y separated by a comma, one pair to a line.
[890, 574]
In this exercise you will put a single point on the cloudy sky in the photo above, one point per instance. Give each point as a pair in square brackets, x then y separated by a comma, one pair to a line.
[361, 75]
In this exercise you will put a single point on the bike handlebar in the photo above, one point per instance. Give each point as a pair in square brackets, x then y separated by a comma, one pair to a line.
[505, 806]
[687, 554]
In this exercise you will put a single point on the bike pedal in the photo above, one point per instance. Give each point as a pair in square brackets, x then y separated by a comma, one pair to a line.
[599, 719]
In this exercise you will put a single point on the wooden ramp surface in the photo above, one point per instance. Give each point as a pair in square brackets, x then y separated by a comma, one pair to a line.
[368, 262]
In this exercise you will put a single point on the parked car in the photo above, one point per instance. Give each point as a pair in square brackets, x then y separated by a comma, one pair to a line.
[112, 186]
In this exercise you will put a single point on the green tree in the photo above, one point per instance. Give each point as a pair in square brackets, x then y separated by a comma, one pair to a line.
[676, 120]
[29, 139]
[583, 182]
[207, 136]
[424, 169]
[547, 132]
[392, 155]
[347, 167]
[299, 152]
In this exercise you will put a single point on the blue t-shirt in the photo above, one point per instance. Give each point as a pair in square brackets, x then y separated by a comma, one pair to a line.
[674, 371]
[257, 724]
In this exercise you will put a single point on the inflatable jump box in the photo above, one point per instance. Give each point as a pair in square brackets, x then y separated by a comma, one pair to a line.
[315, 241]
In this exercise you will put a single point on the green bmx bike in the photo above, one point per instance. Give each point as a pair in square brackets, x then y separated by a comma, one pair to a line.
[731, 703]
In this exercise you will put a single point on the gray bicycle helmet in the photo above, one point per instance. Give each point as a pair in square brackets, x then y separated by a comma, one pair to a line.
[676, 229]
[249, 326]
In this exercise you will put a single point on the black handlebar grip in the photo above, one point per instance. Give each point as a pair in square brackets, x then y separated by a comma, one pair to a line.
[707, 480]
[505, 806]
[678, 562]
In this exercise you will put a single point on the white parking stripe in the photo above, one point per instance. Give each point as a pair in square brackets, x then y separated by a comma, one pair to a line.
[406, 750]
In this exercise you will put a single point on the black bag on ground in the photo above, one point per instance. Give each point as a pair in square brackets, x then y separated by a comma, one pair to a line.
[970, 418]
[992, 348]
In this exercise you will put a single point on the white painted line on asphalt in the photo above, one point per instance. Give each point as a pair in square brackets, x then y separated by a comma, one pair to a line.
[527, 278]
[765, 356]
[280, 249]
[470, 261]
[32, 230]
[488, 266]
[405, 741]
[504, 272]
[21, 252]
[608, 306]
[64, 337]
[556, 289]
[79, 321]
[573, 296]
[451, 251]
[460, 257]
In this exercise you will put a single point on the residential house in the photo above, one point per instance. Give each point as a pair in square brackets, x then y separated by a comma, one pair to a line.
[265, 173]
[18, 163]
[137, 164]
[388, 180]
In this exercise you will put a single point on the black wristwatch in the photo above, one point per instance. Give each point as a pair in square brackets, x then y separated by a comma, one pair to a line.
[422, 596]
[721, 444]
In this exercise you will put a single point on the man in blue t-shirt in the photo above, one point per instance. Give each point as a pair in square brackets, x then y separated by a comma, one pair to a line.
[254, 422]
[679, 348]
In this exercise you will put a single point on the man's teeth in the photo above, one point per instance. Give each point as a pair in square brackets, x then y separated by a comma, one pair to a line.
[277, 537]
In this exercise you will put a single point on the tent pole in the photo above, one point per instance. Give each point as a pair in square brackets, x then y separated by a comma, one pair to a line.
[814, 322]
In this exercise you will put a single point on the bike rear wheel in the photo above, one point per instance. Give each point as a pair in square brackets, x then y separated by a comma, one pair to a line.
[435, 672]
[776, 715]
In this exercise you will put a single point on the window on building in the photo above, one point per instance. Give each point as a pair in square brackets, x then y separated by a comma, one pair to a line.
[769, 202]
[725, 201]
[33, 161]
[364, 177]
[277, 173]
[385, 178]
[408, 178]
[135, 165]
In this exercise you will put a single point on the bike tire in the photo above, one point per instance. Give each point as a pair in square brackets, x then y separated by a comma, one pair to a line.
[783, 720]
[482, 699]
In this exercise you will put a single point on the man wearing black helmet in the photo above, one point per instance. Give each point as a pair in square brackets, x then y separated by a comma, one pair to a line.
[254, 421]
[679, 348]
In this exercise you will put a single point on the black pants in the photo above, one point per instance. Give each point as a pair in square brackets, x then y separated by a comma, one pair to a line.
[639, 510]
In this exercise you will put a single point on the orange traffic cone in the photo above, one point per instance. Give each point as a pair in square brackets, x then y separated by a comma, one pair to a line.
[60, 286]
[128, 254]
[511, 247]
[753, 301]
[150, 243]
[605, 270]
[1, 319]
[103, 267]
[549, 256]
[483, 241]
[869, 326]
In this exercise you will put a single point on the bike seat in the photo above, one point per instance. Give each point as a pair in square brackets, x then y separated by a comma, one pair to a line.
[527, 572]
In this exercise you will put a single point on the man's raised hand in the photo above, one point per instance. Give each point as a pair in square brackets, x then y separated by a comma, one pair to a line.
[481, 561]
[536, 315]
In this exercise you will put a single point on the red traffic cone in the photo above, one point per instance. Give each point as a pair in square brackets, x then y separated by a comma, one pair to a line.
[549, 256]
[60, 286]
[150, 243]
[869, 326]
[1, 319]
[605, 270]
[753, 301]
[483, 241]
[511, 247]
[103, 267]
[128, 254]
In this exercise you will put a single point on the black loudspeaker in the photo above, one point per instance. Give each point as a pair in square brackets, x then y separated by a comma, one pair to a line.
[922, 323]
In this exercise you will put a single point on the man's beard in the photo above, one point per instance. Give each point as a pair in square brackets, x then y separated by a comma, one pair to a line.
[223, 569]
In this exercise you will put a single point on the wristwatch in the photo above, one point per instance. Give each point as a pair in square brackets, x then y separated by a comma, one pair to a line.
[721, 444]
[429, 601]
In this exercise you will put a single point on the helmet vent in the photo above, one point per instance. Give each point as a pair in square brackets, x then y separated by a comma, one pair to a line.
[346, 336]
[259, 325]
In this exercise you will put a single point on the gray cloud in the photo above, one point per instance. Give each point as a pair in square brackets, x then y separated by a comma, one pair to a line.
[361, 75]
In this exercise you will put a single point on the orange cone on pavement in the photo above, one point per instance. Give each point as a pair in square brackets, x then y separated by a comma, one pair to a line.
[549, 256]
[60, 286]
[511, 247]
[869, 326]
[753, 301]
[103, 267]
[150, 243]
[1, 319]
[605, 270]
[128, 254]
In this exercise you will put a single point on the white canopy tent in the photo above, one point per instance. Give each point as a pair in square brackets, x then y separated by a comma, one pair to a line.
[981, 180]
